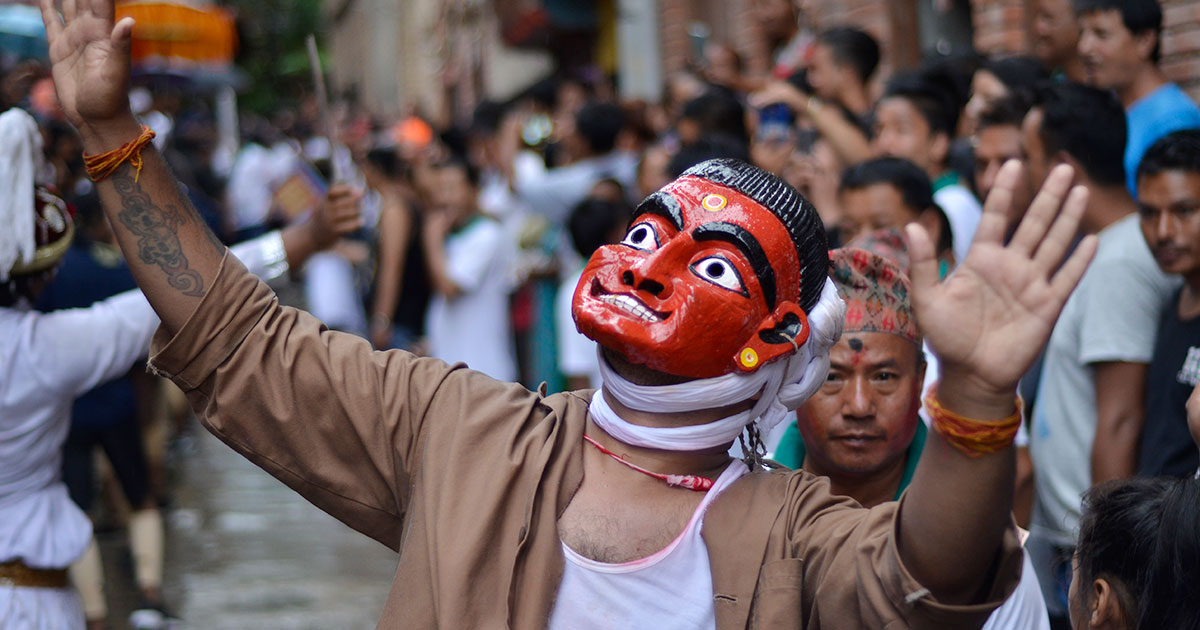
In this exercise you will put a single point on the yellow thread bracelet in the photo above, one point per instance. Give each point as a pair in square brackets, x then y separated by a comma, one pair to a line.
[101, 167]
[973, 437]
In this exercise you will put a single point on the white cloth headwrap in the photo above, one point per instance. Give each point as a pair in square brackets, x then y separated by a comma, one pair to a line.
[785, 384]
[22, 142]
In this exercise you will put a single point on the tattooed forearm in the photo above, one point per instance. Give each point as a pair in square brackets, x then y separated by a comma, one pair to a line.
[156, 229]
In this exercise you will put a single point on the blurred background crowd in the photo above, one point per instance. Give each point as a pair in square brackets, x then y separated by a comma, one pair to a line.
[499, 143]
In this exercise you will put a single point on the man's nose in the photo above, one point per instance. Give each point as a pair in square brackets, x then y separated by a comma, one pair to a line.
[1084, 46]
[1166, 226]
[857, 401]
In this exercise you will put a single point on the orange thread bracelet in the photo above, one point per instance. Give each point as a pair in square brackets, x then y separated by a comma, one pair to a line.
[101, 167]
[973, 437]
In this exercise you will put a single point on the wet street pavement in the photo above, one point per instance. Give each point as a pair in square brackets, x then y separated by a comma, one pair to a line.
[244, 551]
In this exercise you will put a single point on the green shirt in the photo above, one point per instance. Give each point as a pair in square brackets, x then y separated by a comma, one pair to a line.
[949, 178]
[790, 453]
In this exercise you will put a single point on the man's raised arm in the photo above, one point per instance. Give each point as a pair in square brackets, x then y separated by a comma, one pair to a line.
[987, 322]
[170, 250]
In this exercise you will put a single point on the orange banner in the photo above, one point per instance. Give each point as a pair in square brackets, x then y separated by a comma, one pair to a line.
[176, 36]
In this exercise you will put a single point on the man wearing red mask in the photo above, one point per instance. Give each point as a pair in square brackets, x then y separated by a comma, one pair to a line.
[619, 508]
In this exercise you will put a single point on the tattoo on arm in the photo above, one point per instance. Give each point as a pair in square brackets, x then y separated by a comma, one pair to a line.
[157, 232]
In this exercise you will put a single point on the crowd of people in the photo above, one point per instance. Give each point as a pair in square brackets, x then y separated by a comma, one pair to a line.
[476, 243]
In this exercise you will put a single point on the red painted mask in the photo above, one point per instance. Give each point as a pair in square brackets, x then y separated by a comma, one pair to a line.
[703, 270]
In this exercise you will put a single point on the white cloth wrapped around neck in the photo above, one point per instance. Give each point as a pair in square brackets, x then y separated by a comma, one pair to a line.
[784, 385]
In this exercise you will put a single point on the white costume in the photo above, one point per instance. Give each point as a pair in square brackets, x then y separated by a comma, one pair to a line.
[46, 361]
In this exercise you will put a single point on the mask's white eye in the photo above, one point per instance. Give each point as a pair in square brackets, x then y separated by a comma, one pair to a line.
[720, 272]
[642, 236]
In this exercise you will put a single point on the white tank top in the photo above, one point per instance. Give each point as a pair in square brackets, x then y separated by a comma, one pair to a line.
[667, 590]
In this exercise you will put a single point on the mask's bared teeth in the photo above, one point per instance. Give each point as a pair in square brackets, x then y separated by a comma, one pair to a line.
[632, 306]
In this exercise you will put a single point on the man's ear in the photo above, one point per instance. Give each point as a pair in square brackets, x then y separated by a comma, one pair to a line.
[1145, 43]
[1106, 609]
[774, 338]
[939, 149]
[1062, 157]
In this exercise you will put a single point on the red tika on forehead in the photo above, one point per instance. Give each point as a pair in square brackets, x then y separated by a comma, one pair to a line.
[876, 292]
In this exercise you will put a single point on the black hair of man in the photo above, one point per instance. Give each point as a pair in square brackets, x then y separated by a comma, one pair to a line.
[1141, 533]
[1087, 124]
[593, 220]
[1019, 74]
[954, 73]
[718, 111]
[386, 160]
[1179, 151]
[457, 161]
[454, 139]
[1138, 16]
[798, 215]
[935, 100]
[544, 93]
[854, 48]
[710, 147]
[599, 124]
[487, 118]
[907, 178]
[1009, 111]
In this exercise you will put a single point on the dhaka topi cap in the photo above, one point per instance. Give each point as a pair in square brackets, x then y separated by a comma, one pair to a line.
[889, 243]
[876, 292]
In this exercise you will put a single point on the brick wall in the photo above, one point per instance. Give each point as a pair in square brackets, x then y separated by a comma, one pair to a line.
[870, 15]
[1181, 44]
[731, 21]
[1001, 26]
[673, 20]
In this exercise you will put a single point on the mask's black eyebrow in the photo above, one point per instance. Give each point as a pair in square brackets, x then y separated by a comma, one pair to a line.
[663, 205]
[742, 239]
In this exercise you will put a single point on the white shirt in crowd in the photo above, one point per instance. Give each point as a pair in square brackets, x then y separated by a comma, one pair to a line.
[474, 326]
[1111, 316]
[576, 353]
[553, 193]
[257, 172]
[964, 212]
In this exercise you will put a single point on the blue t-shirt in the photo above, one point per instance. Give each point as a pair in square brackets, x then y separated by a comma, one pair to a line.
[90, 273]
[1153, 116]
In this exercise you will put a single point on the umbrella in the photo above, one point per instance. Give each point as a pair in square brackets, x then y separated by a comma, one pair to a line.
[22, 33]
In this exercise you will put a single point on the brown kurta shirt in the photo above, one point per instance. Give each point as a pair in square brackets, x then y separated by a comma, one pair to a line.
[466, 477]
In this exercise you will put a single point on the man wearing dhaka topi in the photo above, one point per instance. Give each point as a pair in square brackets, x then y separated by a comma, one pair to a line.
[619, 508]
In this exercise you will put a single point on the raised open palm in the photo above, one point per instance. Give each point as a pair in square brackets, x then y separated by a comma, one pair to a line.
[90, 57]
[990, 318]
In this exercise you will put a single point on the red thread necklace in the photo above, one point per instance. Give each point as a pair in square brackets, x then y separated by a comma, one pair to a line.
[691, 482]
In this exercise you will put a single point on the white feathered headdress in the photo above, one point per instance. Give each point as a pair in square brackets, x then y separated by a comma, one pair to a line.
[22, 144]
